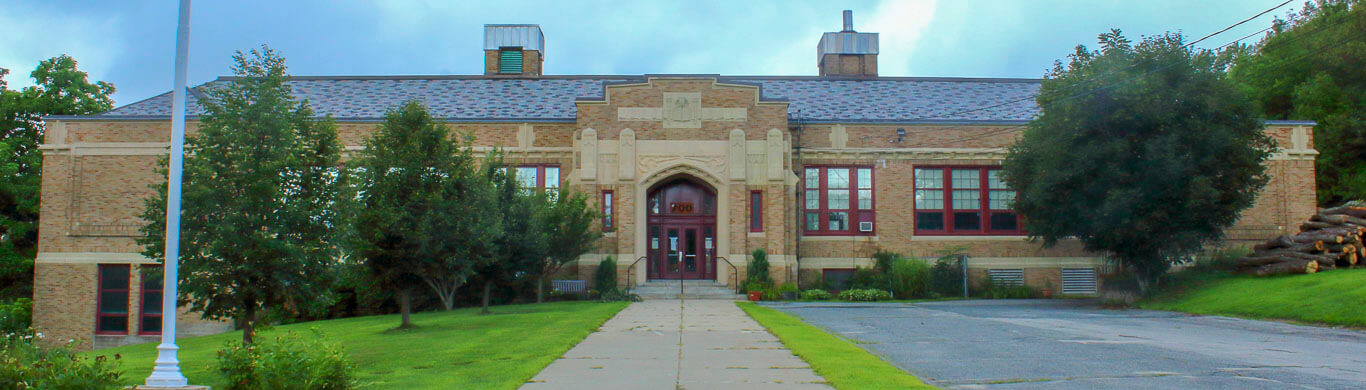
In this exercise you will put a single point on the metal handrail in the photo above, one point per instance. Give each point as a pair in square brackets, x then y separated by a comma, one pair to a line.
[631, 274]
[734, 273]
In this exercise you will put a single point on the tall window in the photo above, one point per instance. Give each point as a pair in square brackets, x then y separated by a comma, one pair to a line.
[756, 211]
[149, 314]
[607, 222]
[838, 200]
[111, 314]
[539, 177]
[964, 200]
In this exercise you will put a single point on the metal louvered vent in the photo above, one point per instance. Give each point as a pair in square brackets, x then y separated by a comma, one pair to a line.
[1080, 281]
[1006, 277]
[510, 61]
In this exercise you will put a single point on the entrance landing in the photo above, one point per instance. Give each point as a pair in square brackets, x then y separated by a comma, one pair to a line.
[679, 344]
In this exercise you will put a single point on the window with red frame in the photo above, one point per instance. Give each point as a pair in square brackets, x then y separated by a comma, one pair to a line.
[149, 313]
[838, 200]
[607, 222]
[111, 313]
[756, 211]
[538, 177]
[964, 200]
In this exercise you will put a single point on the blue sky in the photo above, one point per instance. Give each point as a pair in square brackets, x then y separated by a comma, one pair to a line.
[131, 43]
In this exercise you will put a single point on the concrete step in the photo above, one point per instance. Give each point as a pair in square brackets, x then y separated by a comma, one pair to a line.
[690, 289]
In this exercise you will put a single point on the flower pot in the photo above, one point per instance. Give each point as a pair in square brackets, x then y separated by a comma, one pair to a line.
[756, 296]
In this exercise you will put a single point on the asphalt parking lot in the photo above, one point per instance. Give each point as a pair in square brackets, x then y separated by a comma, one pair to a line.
[1072, 344]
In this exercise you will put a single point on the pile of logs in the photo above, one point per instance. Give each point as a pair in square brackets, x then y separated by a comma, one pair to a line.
[1331, 239]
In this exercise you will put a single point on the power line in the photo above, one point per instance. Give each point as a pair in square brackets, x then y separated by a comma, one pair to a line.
[1239, 23]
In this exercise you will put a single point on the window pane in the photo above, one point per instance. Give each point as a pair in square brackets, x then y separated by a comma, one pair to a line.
[865, 178]
[1004, 221]
[967, 200]
[114, 277]
[836, 178]
[865, 199]
[552, 177]
[837, 199]
[929, 199]
[994, 180]
[113, 324]
[756, 211]
[813, 177]
[813, 221]
[151, 278]
[151, 324]
[967, 178]
[967, 221]
[114, 302]
[1001, 199]
[151, 303]
[929, 221]
[929, 178]
[813, 199]
[526, 177]
[839, 221]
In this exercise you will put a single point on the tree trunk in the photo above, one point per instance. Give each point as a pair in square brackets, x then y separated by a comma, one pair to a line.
[488, 289]
[249, 325]
[540, 290]
[405, 307]
[1288, 267]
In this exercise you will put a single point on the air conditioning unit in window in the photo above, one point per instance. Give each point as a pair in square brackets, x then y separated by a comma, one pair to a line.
[865, 226]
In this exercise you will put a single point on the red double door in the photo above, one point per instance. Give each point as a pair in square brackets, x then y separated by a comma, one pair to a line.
[682, 250]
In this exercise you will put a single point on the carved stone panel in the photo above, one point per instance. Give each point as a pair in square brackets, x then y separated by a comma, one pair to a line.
[775, 148]
[588, 146]
[736, 151]
[626, 155]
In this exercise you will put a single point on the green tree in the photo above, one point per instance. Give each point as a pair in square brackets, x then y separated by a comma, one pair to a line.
[523, 243]
[569, 226]
[1309, 67]
[427, 213]
[262, 198]
[59, 89]
[1144, 152]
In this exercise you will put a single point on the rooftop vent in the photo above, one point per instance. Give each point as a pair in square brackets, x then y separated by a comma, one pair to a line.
[847, 53]
[513, 49]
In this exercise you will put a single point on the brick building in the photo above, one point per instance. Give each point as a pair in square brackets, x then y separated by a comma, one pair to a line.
[693, 172]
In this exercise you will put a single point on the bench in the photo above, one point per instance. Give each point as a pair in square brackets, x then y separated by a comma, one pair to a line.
[576, 287]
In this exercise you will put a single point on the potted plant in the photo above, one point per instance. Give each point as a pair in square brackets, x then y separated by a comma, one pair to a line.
[755, 291]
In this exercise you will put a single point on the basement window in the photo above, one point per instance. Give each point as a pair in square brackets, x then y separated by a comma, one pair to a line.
[111, 314]
[510, 60]
[149, 314]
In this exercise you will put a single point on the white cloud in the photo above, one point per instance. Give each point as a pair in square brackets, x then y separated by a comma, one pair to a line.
[900, 26]
[30, 34]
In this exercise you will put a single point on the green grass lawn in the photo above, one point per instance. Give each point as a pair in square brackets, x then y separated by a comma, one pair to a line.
[843, 364]
[1331, 297]
[449, 350]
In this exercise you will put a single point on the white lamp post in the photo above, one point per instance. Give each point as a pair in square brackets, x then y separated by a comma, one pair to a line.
[166, 373]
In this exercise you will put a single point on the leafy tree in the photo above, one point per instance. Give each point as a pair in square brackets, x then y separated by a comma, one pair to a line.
[262, 199]
[1145, 152]
[59, 89]
[523, 242]
[427, 213]
[570, 230]
[1309, 67]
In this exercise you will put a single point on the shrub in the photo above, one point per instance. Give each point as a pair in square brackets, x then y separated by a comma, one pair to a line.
[618, 296]
[1216, 260]
[868, 278]
[26, 365]
[605, 279]
[864, 295]
[816, 295]
[287, 362]
[15, 316]
[990, 289]
[883, 261]
[946, 277]
[770, 294]
[910, 278]
[757, 270]
[788, 287]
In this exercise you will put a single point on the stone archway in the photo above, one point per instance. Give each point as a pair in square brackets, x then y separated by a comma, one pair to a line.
[681, 229]
[668, 174]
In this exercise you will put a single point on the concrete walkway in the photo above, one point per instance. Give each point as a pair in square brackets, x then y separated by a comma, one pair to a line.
[679, 344]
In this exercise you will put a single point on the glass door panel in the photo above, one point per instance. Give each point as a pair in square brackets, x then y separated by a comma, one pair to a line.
[690, 250]
[672, 257]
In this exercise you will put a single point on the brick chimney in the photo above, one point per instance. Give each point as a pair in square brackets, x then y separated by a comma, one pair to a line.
[848, 52]
[513, 49]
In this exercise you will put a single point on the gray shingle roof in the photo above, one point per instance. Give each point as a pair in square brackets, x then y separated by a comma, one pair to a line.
[552, 98]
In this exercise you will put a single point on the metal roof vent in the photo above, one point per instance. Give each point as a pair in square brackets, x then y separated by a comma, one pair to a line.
[862, 46]
[525, 36]
[513, 49]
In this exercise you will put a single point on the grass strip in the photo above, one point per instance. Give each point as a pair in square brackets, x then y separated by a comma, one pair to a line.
[843, 364]
[459, 349]
[1330, 297]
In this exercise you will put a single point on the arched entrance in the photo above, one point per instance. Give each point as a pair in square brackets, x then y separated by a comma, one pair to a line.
[681, 229]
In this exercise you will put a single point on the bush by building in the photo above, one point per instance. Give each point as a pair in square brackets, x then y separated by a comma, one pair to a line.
[605, 279]
[26, 365]
[286, 362]
[864, 295]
